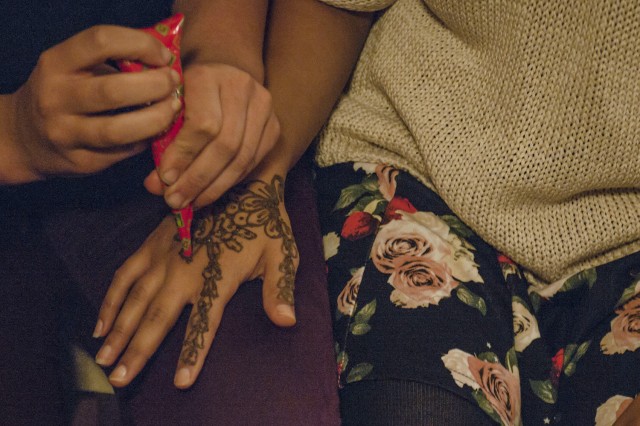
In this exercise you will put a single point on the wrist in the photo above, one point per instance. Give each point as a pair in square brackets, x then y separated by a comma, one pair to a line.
[254, 68]
[13, 167]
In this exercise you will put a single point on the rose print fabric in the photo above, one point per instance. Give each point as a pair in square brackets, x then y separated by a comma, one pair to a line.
[418, 296]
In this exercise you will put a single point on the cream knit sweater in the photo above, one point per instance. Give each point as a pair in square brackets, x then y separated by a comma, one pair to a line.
[523, 115]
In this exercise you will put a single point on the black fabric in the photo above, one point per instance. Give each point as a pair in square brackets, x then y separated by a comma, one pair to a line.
[30, 27]
[420, 297]
[36, 377]
[36, 364]
[406, 403]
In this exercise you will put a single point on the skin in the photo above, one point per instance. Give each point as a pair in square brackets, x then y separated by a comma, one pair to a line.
[311, 48]
[230, 123]
[52, 125]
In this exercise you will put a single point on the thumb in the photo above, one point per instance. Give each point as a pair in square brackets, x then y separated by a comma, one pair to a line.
[153, 184]
[277, 290]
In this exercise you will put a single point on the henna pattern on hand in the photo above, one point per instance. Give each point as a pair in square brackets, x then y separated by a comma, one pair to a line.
[255, 204]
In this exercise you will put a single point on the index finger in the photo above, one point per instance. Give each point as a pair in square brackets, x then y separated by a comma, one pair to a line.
[100, 43]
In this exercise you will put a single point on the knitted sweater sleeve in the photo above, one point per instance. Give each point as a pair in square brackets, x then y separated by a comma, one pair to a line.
[360, 5]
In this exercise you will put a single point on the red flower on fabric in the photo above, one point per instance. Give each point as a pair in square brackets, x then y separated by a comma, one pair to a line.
[397, 203]
[359, 225]
[557, 362]
[504, 259]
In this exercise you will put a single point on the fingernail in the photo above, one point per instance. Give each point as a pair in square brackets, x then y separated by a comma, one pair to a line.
[97, 332]
[170, 177]
[166, 55]
[183, 378]
[175, 76]
[286, 311]
[176, 104]
[102, 358]
[119, 373]
[175, 200]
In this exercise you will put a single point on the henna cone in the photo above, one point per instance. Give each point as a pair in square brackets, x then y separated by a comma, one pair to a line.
[169, 32]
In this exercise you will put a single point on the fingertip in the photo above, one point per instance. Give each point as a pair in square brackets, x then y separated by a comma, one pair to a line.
[285, 315]
[182, 379]
[97, 332]
[103, 357]
[118, 376]
[154, 184]
[176, 200]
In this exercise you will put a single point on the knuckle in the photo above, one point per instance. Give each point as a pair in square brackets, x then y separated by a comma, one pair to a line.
[135, 351]
[157, 315]
[227, 147]
[108, 303]
[55, 131]
[45, 60]
[138, 294]
[99, 37]
[108, 134]
[83, 162]
[185, 151]
[109, 92]
[205, 125]
[45, 105]
[119, 331]
[196, 180]
[244, 160]
[119, 278]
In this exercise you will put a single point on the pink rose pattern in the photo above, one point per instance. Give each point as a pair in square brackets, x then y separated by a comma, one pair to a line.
[349, 294]
[427, 260]
[419, 256]
[500, 386]
[625, 329]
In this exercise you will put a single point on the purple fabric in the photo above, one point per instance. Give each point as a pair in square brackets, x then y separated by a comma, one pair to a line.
[255, 373]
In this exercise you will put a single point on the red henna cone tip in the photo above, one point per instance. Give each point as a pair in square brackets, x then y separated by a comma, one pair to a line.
[169, 32]
[183, 218]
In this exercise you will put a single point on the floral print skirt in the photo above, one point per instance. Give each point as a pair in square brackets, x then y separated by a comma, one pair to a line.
[418, 296]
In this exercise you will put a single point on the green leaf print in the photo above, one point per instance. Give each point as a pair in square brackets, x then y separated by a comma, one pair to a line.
[365, 314]
[588, 277]
[471, 299]
[535, 301]
[582, 349]
[359, 372]
[511, 359]
[545, 390]
[370, 183]
[628, 293]
[569, 369]
[349, 195]
[457, 226]
[485, 405]
[489, 357]
[572, 354]
[358, 329]
[363, 203]
[569, 350]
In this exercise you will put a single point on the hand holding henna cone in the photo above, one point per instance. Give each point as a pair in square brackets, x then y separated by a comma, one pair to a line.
[169, 32]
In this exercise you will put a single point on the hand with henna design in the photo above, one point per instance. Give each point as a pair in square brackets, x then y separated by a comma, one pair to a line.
[246, 235]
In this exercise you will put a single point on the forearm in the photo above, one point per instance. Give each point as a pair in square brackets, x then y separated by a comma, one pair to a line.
[13, 169]
[224, 31]
[311, 49]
